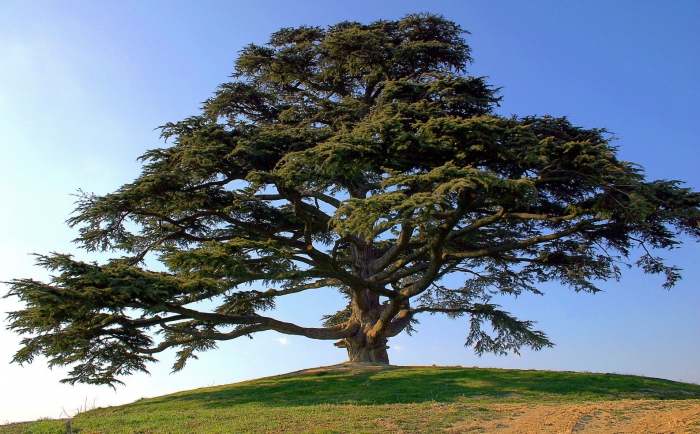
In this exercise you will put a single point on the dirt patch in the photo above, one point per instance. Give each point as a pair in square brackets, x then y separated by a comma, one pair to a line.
[628, 416]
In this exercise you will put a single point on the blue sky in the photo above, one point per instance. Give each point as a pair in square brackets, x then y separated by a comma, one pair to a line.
[83, 84]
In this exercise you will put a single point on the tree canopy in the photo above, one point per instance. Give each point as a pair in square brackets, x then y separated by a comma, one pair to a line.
[360, 159]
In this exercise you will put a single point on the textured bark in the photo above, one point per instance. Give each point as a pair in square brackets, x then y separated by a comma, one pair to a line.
[376, 354]
[365, 345]
[368, 344]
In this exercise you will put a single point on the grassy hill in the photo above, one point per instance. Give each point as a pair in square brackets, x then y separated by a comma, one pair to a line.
[372, 398]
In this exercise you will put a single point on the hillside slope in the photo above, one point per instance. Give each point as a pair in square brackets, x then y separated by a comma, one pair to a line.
[375, 398]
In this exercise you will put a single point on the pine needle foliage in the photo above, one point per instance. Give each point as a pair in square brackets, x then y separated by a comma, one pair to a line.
[359, 158]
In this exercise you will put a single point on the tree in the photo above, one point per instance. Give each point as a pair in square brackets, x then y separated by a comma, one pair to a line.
[360, 159]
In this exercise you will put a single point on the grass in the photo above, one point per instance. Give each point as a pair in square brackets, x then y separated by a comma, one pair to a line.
[358, 398]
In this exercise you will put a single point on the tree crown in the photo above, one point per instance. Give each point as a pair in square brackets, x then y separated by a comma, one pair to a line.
[359, 158]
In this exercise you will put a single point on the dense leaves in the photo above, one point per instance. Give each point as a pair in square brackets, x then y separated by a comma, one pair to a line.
[361, 159]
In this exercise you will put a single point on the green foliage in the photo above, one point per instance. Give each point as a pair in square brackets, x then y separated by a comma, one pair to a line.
[358, 158]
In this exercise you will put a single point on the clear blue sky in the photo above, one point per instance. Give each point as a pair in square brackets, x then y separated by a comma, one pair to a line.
[84, 83]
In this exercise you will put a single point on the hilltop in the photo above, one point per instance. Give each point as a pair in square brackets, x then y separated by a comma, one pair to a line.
[379, 398]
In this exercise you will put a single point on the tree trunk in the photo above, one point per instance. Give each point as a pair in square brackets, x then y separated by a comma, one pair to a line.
[367, 345]
[360, 349]
[376, 354]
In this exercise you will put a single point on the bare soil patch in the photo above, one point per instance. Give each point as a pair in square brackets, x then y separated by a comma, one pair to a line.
[626, 416]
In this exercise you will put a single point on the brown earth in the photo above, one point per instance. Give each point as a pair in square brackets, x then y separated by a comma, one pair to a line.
[627, 416]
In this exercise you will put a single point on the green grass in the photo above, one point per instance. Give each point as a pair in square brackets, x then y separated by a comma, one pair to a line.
[351, 398]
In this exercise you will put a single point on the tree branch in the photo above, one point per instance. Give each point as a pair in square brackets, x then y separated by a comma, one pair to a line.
[329, 333]
[525, 243]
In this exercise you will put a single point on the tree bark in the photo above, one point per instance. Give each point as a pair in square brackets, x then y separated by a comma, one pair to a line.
[364, 348]
[366, 345]
[375, 354]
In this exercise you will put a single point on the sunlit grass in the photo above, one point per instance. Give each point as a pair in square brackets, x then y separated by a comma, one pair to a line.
[351, 398]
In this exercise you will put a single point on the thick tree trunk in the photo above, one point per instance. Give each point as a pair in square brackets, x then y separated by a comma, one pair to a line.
[376, 354]
[367, 345]
[360, 349]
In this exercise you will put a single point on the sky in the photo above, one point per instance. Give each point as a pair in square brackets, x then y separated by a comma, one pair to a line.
[83, 85]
